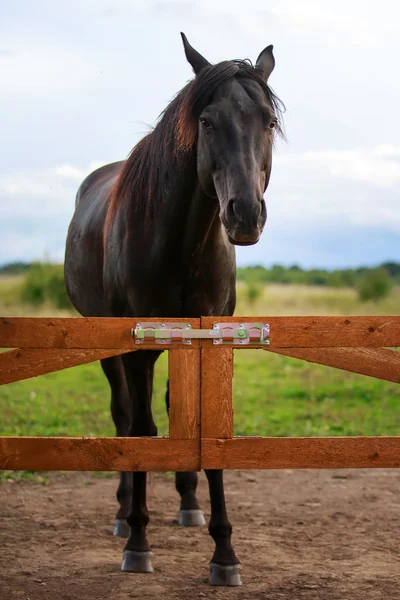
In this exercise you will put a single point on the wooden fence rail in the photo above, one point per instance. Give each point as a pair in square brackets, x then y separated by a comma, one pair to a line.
[201, 413]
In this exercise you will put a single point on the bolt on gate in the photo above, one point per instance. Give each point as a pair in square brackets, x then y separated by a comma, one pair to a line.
[200, 374]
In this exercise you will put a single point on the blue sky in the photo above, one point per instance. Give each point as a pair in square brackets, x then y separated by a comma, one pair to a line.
[81, 82]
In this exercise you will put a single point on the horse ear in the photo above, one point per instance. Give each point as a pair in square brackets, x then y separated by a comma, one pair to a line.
[266, 62]
[195, 59]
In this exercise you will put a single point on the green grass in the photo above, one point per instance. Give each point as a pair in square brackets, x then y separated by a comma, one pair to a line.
[280, 396]
[73, 402]
[273, 395]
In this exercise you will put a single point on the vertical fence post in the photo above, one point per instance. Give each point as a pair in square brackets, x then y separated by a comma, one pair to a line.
[184, 393]
[216, 392]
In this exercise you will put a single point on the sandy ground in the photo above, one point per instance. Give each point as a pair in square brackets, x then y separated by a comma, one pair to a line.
[299, 534]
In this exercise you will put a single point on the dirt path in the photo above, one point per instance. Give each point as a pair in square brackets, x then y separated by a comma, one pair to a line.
[331, 535]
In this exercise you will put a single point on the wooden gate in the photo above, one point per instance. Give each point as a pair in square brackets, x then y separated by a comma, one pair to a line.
[200, 373]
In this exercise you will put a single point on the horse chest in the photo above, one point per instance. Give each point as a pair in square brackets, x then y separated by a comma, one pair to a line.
[197, 292]
[207, 291]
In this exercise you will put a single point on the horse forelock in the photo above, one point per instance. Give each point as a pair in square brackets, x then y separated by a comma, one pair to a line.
[194, 98]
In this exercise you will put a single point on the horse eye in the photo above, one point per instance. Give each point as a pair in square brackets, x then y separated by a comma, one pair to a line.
[206, 124]
[273, 124]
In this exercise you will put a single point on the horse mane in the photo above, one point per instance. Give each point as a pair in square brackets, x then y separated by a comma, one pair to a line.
[174, 139]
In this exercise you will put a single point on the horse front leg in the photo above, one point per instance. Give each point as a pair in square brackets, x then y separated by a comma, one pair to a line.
[224, 565]
[120, 403]
[139, 369]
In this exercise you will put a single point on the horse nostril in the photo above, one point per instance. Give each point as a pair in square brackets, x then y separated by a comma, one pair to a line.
[263, 211]
[230, 210]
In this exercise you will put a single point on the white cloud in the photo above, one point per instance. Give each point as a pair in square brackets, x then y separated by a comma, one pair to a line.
[352, 25]
[386, 150]
[44, 69]
[379, 166]
[337, 188]
[36, 207]
[33, 245]
[332, 207]
[42, 192]
[77, 173]
[316, 17]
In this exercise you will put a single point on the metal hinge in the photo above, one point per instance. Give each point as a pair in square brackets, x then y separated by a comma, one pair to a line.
[226, 334]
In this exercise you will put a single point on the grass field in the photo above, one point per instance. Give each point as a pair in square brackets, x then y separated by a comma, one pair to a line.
[273, 395]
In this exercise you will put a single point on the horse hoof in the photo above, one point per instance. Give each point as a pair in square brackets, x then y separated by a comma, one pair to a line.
[225, 574]
[191, 518]
[136, 562]
[121, 528]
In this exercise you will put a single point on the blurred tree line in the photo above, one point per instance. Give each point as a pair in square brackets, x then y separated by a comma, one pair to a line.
[372, 283]
[320, 277]
[44, 282]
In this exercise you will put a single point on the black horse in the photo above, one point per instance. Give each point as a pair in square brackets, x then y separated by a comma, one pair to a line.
[154, 235]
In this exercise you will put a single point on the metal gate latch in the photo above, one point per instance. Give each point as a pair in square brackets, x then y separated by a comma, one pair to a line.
[225, 334]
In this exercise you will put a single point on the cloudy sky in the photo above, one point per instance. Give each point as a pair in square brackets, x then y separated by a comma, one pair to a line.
[82, 81]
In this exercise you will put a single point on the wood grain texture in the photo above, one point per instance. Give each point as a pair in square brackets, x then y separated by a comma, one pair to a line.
[184, 388]
[24, 363]
[30, 332]
[216, 392]
[319, 332]
[375, 362]
[301, 453]
[76, 332]
[98, 454]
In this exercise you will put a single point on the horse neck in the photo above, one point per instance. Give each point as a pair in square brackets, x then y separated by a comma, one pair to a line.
[188, 220]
